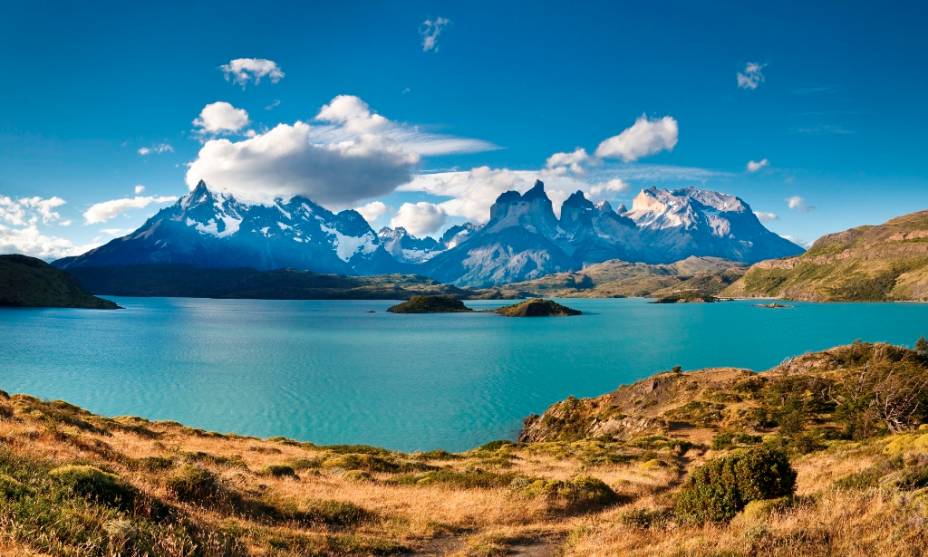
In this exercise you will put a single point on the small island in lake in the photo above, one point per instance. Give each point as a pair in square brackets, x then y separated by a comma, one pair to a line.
[686, 298]
[30, 282]
[537, 307]
[430, 304]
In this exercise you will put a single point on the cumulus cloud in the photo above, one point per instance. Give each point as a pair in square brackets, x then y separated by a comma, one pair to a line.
[645, 137]
[20, 232]
[572, 162]
[243, 70]
[372, 211]
[752, 76]
[754, 166]
[765, 216]
[106, 210]
[419, 219]
[29, 240]
[221, 117]
[608, 189]
[430, 30]
[796, 203]
[158, 149]
[44, 207]
[349, 154]
[139, 189]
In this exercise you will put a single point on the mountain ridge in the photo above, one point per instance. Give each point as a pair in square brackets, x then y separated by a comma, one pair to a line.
[522, 240]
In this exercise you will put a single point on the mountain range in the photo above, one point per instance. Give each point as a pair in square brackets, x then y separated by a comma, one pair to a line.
[523, 239]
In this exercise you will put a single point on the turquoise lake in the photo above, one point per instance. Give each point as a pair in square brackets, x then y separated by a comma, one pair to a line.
[348, 372]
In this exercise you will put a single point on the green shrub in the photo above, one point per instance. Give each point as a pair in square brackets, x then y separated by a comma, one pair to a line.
[469, 479]
[279, 471]
[720, 488]
[194, 484]
[569, 496]
[11, 488]
[95, 484]
[333, 514]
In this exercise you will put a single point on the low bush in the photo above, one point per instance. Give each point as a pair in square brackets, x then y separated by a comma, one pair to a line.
[578, 495]
[720, 488]
[95, 484]
[195, 484]
[468, 479]
[279, 471]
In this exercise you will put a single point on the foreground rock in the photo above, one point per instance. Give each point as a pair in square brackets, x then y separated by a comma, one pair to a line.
[867, 263]
[30, 282]
[537, 307]
[430, 304]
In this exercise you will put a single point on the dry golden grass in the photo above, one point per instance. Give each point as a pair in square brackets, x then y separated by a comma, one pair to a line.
[280, 497]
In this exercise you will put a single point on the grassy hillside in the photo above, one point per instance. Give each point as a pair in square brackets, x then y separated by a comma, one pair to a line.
[868, 263]
[30, 282]
[834, 436]
[616, 278]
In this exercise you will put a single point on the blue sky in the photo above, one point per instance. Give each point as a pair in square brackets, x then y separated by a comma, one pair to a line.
[835, 105]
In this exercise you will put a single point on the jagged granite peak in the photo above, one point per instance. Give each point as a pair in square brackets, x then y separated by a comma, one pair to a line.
[457, 234]
[210, 228]
[407, 248]
[522, 240]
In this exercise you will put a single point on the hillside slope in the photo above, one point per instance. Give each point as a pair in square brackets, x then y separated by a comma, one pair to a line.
[617, 278]
[591, 477]
[30, 282]
[868, 263]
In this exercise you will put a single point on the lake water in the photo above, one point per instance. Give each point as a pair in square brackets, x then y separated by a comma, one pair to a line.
[348, 372]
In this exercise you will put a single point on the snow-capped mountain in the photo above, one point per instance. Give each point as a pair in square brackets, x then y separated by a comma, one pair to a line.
[675, 224]
[212, 229]
[522, 240]
[407, 248]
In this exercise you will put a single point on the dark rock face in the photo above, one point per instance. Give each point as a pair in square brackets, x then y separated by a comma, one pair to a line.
[30, 282]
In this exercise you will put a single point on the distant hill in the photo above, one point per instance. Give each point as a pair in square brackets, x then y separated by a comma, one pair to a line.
[30, 282]
[616, 278]
[284, 284]
[867, 263]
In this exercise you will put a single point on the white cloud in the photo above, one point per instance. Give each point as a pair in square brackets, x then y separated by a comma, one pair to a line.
[29, 240]
[797, 203]
[139, 189]
[573, 161]
[243, 70]
[752, 76]
[372, 211]
[645, 137]
[158, 149]
[45, 207]
[608, 189]
[350, 154]
[419, 219]
[430, 30]
[754, 166]
[765, 216]
[106, 210]
[221, 117]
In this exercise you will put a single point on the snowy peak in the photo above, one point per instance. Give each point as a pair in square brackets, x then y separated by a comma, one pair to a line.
[407, 248]
[687, 208]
